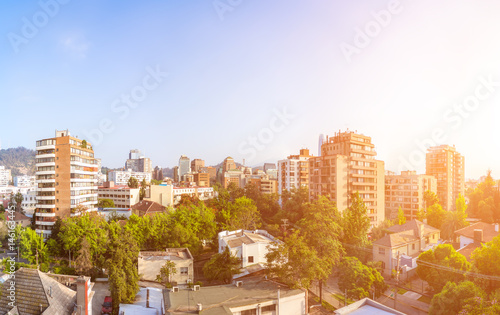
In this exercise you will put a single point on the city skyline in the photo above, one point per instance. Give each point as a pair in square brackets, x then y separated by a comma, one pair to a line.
[285, 71]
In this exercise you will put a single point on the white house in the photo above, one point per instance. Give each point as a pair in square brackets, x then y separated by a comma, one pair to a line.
[250, 246]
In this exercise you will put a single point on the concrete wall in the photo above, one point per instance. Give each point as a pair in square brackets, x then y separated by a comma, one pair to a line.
[149, 269]
[291, 305]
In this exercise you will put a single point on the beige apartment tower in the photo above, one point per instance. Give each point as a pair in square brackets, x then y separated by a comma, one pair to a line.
[448, 166]
[407, 191]
[347, 165]
[293, 172]
[66, 177]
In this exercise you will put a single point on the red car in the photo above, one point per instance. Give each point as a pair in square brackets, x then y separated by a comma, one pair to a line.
[107, 306]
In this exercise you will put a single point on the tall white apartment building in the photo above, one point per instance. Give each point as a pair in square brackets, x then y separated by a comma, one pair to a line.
[25, 181]
[122, 177]
[293, 172]
[5, 176]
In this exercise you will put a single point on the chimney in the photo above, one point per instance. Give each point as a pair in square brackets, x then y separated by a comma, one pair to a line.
[478, 236]
[497, 227]
[421, 230]
[82, 298]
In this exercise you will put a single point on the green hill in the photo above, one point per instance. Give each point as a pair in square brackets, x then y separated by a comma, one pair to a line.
[20, 161]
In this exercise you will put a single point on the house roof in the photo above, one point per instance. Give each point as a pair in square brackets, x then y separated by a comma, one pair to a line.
[37, 293]
[488, 231]
[168, 254]
[468, 249]
[236, 240]
[405, 233]
[366, 306]
[217, 300]
[146, 207]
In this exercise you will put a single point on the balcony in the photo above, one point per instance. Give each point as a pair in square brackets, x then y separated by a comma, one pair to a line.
[45, 181]
[46, 206]
[47, 155]
[46, 189]
[45, 197]
[46, 223]
[46, 147]
[46, 164]
[45, 214]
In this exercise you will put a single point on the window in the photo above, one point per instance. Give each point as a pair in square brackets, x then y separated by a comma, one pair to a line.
[249, 312]
[184, 270]
[250, 259]
[381, 251]
[269, 308]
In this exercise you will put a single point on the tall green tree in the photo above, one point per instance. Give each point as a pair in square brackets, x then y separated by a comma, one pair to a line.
[241, 214]
[121, 263]
[380, 230]
[293, 203]
[437, 266]
[453, 297]
[18, 200]
[401, 216]
[83, 262]
[485, 261]
[357, 279]
[321, 228]
[222, 266]
[105, 203]
[436, 216]
[430, 198]
[484, 200]
[356, 224]
[32, 245]
[455, 219]
[133, 182]
[294, 262]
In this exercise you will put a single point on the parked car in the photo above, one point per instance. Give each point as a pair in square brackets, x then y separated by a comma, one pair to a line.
[107, 306]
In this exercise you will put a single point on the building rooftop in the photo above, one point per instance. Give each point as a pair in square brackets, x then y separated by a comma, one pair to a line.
[237, 238]
[405, 233]
[489, 231]
[168, 254]
[37, 293]
[146, 207]
[218, 300]
[368, 307]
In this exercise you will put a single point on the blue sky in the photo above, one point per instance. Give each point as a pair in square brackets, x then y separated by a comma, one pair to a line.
[228, 70]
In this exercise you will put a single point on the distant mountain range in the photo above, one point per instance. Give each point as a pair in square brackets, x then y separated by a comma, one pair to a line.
[20, 161]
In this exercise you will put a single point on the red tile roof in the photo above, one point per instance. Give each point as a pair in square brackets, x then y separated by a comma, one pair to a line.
[146, 207]
[488, 231]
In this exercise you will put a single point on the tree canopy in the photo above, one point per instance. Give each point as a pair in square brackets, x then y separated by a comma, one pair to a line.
[357, 279]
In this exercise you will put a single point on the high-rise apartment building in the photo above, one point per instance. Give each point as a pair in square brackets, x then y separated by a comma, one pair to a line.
[184, 165]
[448, 166]
[228, 164]
[407, 191]
[197, 165]
[66, 177]
[347, 165]
[138, 163]
[24, 181]
[158, 173]
[293, 172]
[5, 176]
[176, 174]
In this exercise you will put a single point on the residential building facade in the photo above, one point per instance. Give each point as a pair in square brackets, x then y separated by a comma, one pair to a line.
[293, 172]
[407, 191]
[123, 196]
[5, 176]
[184, 165]
[150, 263]
[122, 177]
[25, 181]
[448, 166]
[347, 165]
[66, 171]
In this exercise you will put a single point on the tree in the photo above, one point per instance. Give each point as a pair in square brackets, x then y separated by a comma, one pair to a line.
[121, 263]
[401, 216]
[142, 191]
[84, 144]
[83, 263]
[79, 209]
[421, 215]
[133, 182]
[222, 266]
[293, 202]
[168, 270]
[484, 200]
[430, 199]
[356, 224]
[357, 279]
[436, 216]
[380, 230]
[455, 219]
[18, 200]
[321, 229]
[485, 260]
[106, 203]
[33, 246]
[294, 262]
[453, 297]
[241, 214]
[433, 266]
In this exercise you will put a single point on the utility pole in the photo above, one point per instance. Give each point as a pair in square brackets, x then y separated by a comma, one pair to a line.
[284, 225]
[397, 282]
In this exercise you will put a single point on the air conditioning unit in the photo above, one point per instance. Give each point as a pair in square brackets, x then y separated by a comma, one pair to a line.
[196, 288]
[175, 289]
[239, 283]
